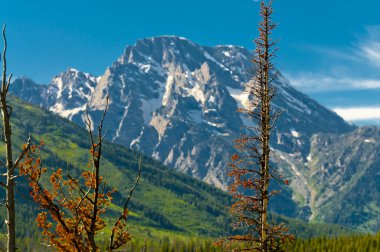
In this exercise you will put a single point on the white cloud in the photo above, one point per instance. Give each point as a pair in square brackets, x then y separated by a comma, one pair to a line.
[371, 51]
[369, 46]
[314, 82]
[358, 113]
[354, 67]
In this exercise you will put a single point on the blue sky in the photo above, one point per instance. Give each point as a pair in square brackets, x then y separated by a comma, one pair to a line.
[328, 49]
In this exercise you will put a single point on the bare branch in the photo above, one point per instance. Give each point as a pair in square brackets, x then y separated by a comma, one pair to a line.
[22, 154]
[2, 184]
[114, 245]
[4, 62]
[134, 186]
[8, 83]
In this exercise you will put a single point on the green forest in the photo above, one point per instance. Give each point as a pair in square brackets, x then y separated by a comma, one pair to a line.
[65, 187]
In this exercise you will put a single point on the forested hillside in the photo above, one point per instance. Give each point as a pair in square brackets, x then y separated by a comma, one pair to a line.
[166, 203]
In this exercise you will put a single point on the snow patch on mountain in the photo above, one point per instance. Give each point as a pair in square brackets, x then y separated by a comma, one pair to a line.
[295, 133]
[177, 101]
[242, 98]
[169, 84]
[67, 113]
[117, 134]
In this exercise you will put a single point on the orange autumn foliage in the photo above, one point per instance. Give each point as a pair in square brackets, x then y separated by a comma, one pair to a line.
[73, 208]
[252, 169]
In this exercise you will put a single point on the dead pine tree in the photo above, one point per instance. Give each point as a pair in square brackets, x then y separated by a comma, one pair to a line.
[73, 206]
[10, 166]
[252, 169]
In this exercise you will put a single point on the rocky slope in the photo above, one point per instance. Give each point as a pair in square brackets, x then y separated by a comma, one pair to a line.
[165, 204]
[176, 101]
[345, 172]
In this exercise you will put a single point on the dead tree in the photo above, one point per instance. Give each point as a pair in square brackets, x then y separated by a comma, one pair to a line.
[10, 174]
[251, 167]
[73, 207]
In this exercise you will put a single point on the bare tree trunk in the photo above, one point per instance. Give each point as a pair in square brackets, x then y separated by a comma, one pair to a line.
[251, 168]
[96, 165]
[9, 186]
[266, 118]
[10, 197]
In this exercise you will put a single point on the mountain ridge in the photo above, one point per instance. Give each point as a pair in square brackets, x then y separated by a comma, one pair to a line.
[177, 102]
[174, 82]
[165, 204]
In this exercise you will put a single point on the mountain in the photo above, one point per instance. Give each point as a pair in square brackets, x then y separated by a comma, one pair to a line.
[344, 170]
[165, 204]
[176, 101]
[164, 200]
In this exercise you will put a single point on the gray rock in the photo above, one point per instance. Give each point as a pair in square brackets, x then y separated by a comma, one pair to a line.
[177, 101]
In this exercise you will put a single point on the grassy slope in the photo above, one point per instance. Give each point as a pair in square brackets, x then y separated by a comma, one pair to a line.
[166, 203]
[164, 199]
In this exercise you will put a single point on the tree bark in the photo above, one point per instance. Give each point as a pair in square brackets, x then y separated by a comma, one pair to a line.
[10, 195]
[9, 186]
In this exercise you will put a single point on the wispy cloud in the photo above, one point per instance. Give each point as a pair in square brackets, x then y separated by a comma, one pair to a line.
[318, 82]
[358, 114]
[337, 53]
[369, 46]
[353, 67]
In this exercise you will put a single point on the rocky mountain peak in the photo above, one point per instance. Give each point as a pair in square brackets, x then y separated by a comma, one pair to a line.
[24, 82]
[176, 101]
[69, 92]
